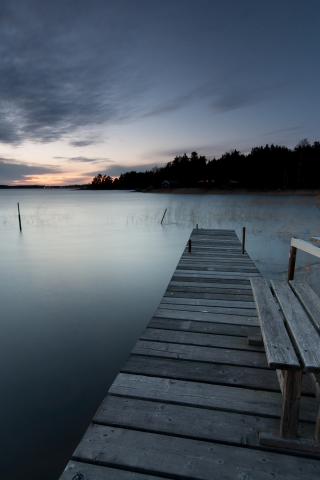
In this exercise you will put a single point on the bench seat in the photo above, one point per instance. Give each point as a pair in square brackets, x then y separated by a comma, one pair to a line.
[292, 343]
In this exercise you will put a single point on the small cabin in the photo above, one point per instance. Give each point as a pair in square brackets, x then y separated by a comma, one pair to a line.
[171, 184]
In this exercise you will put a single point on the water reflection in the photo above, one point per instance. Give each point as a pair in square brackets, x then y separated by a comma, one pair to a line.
[81, 282]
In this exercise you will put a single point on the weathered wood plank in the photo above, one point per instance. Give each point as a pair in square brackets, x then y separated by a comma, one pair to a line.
[213, 266]
[204, 284]
[96, 472]
[200, 354]
[217, 260]
[201, 339]
[183, 293]
[307, 247]
[279, 350]
[315, 239]
[208, 317]
[187, 422]
[213, 281]
[207, 267]
[203, 254]
[206, 309]
[302, 331]
[208, 373]
[309, 300]
[204, 327]
[217, 397]
[204, 251]
[302, 444]
[212, 270]
[217, 293]
[213, 277]
[215, 274]
[168, 299]
[291, 393]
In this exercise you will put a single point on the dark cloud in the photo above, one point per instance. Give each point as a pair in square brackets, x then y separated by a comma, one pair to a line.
[223, 94]
[12, 170]
[285, 130]
[83, 143]
[58, 72]
[86, 160]
[69, 67]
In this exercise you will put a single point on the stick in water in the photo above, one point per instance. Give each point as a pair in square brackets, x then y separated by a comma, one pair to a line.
[163, 216]
[19, 217]
[243, 239]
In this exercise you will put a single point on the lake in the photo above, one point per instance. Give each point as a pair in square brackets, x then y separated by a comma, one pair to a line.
[80, 283]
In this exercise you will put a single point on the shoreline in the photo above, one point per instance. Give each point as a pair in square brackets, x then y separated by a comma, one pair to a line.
[239, 191]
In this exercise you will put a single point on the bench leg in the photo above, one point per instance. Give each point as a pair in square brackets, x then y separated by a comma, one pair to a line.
[290, 404]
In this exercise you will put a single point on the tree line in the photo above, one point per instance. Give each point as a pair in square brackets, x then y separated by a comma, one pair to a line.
[269, 167]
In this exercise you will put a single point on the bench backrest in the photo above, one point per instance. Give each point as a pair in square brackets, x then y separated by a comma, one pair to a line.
[279, 350]
[302, 332]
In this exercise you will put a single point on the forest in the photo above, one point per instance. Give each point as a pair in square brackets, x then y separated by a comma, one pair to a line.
[271, 167]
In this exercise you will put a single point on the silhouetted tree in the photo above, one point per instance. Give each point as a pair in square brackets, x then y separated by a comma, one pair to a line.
[269, 167]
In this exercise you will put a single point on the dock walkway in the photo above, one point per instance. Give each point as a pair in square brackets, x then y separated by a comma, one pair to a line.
[192, 397]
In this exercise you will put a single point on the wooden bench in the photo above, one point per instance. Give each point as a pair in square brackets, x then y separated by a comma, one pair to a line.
[292, 344]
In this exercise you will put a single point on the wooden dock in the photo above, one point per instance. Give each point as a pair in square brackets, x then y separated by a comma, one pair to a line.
[192, 397]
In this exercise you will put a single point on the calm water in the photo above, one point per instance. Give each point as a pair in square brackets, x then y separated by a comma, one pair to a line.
[80, 283]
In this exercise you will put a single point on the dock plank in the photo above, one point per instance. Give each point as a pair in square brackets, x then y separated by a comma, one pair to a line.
[168, 299]
[208, 317]
[201, 339]
[206, 309]
[201, 354]
[204, 327]
[183, 458]
[188, 422]
[96, 472]
[232, 375]
[217, 397]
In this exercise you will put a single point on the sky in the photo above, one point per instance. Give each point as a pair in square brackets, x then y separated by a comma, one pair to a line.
[113, 86]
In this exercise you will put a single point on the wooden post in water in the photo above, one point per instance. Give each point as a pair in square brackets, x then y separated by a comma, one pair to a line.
[189, 246]
[163, 216]
[19, 217]
[243, 239]
[292, 263]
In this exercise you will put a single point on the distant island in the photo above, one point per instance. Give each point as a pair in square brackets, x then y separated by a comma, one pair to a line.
[271, 167]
